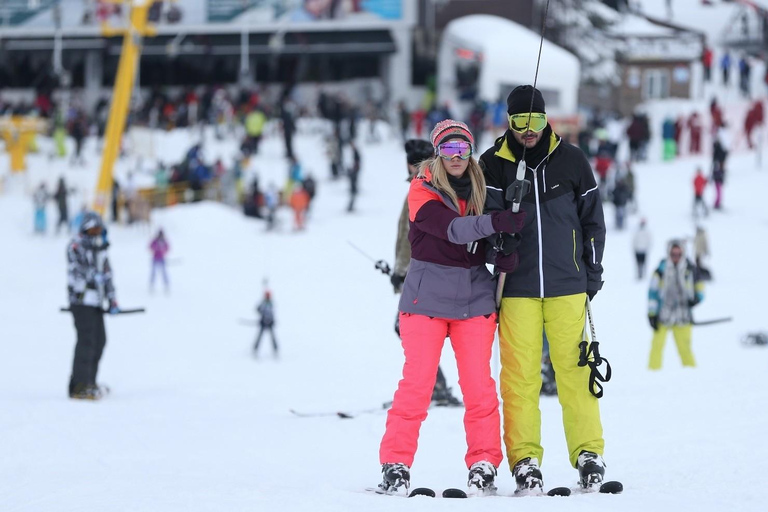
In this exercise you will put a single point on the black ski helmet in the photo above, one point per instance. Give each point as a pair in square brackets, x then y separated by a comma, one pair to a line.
[91, 220]
[418, 150]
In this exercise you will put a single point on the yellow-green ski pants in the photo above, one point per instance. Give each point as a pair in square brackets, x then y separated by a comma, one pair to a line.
[521, 323]
[682, 335]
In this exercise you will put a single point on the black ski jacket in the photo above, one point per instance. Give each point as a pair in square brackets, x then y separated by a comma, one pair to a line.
[564, 234]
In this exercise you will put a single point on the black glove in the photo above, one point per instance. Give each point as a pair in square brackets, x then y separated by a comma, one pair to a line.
[507, 262]
[591, 294]
[693, 302]
[507, 243]
[654, 321]
[506, 221]
[397, 281]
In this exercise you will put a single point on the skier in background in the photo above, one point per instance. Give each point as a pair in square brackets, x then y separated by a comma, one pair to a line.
[159, 248]
[675, 289]
[641, 243]
[299, 202]
[61, 202]
[353, 173]
[89, 285]
[40, 200]
[416, 151]
[701, 251]
[266, 312]
[699, 185]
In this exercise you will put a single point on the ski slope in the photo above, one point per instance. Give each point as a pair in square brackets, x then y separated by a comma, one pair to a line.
[196, 423]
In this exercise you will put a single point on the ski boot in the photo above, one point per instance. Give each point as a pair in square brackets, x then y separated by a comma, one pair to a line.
[481, 478]
[88, 392]
[395, 476]
[528, 476]
[591, 468]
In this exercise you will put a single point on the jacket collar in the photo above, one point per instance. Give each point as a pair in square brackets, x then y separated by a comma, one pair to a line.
[504, 152]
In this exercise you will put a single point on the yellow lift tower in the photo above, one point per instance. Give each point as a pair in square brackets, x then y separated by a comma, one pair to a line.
[133, 34]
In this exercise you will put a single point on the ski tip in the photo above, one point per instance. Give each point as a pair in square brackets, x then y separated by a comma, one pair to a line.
[422, 491]
[344, 415]
[559, 491]
[454, 493]
[612, 487]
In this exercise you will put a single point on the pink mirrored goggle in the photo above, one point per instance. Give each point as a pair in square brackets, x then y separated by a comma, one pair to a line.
[448, 150]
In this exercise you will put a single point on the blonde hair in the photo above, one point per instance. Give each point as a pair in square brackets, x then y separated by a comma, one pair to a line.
[439, 180]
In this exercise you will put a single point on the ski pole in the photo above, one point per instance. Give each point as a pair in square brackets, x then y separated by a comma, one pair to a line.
[381, 265]
[713, 321]
[106, 311]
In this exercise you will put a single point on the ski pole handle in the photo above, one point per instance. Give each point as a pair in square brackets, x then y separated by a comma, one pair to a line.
[519, 188]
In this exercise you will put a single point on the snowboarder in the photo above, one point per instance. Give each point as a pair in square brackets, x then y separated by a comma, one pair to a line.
[416, 151]
[455, 298]
[266, 323]
[549, 292]
[159, 248]
[89, 286]
[675, 289]
[641, 243]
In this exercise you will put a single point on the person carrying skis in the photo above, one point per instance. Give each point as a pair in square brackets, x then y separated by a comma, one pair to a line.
[675, 288]
[266, 323]
[159, 248]
[560, 255]
[416, 151]
[89, 285]
[448, 291]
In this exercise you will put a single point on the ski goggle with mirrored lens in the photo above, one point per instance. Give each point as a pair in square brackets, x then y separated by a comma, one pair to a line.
[448, 150]
[519, 122]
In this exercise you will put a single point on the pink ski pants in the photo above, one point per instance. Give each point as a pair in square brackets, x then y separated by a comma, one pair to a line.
[423, 338]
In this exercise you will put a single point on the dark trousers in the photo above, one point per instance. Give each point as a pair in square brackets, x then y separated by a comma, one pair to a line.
[271, 335]
[91, 338]
[640, 258]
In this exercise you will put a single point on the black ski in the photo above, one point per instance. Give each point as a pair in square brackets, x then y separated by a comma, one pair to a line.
[421, 491]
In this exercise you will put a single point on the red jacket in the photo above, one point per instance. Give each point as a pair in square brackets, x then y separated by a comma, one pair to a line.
[699, 183]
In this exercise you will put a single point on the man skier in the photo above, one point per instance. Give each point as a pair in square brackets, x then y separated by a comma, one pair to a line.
[560, 254]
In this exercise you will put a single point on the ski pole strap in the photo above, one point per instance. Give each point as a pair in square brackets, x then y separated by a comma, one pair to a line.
[587, 350]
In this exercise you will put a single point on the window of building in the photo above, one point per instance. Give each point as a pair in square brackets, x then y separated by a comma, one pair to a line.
[655, 84]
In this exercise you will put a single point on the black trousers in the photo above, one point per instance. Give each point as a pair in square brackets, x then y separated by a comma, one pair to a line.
[261, 333]
[91, 338]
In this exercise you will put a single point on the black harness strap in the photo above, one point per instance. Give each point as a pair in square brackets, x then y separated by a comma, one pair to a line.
[595, 377]
[590, 348]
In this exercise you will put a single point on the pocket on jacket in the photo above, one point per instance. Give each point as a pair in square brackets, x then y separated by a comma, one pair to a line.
[575, 262]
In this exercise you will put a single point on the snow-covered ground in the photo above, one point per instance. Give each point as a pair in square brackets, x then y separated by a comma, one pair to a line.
[196, 423]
